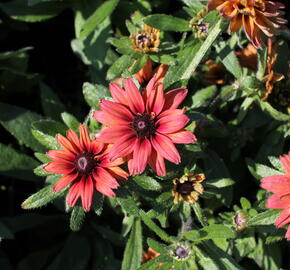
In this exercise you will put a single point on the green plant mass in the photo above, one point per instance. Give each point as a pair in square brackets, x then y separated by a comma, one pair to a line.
[144, 135]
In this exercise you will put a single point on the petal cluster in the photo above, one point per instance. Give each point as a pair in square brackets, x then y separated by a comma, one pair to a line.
[144, 126]
[85, 165]
[280, 186]
[259, 18]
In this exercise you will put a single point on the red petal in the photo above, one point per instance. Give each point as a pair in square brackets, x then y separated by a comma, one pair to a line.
[87, 192]
[105, 182]
[66, 144]
[156, 162]
[276, 183]
[165, 147]
[112, 134]
[118, 173]
[74, 193]
[172, 123]
[85, 138]
[123, 147]
[117, 111]
[64, 181]
[135, 99]
[118, 94]
[156, 100]
[73, 138]
[142, 151]
[236, 23]
[283, 219]
[174, 98]
[182, 136]
[59, 168]
[106, 119]
[277, 201]
[285, 160]
[61, 154]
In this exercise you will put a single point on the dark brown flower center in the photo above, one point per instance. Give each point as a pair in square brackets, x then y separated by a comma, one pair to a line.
[184, 188]
[142, 38]
[85, 163]
[143, 125]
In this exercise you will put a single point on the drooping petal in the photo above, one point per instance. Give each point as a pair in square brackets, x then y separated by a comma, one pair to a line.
[236, 23]
[104, 182]
[288, 233]
[87, 192]
[165, 147]
[157, 164]
[283, 219]
[112, 134]
[182, 137]
[141, 153]
[172, 123]
[64, 181]
[135, 99]
[174, 98]
[118, 94]
[74, 193]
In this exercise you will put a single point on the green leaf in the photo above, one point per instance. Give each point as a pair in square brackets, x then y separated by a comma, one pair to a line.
[77, 218]
[70, 121]
[267, 108]
[16, 165]
[220, 182]
[158, 247]
[214, 231]
[75, 254]
[40, 171]
[259, 171]
[122, 63]
[265, 218]
[230, 61]
[42, 157]
[202, 96]
[147, 182]
[245, 203]
[93, 93]
[133, 251]
[167, 23]
[126, 201]
[18, 121]
[100, 14]
[5, 232]
[139, 64]
[41, 198]
[51, 104]
[206, 45]
[199, 214]
[152, 226]
[20, 10]
[45, 130]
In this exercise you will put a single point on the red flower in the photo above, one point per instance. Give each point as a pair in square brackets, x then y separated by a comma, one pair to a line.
[85, 165]
[144, 126]
[280, 186]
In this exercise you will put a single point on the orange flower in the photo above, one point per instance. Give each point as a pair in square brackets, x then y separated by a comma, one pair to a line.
[271, 77]
[147, 72]
[215, 74]
[248, 57]
[150, 254]
[259, 18]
